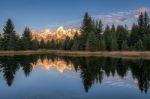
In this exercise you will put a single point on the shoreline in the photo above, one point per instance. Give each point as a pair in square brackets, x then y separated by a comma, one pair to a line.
[117, 54]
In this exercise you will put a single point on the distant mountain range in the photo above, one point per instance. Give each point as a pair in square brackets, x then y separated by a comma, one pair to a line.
[58, 35]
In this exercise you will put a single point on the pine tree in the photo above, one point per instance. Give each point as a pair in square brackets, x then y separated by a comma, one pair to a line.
[75, 45]
[107, 37]
[113, 29]
[101, 45]
[134, 36]
[146, 23]
[9, 28]
[146, 42]
[9, 39]
[35, 44]
[86, 28]
[114, 45]
[20, 44]
[42, 44]
[92, 42]
[60, 45]
[98, 26]
[139, 45]
[26, 39]
[125, 46]
[87, 25]
[143, 23]
[67, 44]
[48, 44]
[122, 35]
[17, 42]
[53, 44]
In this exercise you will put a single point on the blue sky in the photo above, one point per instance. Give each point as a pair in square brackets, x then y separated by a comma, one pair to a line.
[41, 14]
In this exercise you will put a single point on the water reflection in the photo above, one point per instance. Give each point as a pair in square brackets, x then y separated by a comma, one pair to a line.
[59, 64]
[92, 70]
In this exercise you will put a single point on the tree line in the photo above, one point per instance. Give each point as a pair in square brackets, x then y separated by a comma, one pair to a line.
[10, 40]
[93, 37]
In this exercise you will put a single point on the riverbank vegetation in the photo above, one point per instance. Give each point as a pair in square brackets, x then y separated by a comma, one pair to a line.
[114, 54]
[93, 37]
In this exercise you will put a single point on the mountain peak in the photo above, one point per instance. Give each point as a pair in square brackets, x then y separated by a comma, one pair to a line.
[58, 35]
[47, 30]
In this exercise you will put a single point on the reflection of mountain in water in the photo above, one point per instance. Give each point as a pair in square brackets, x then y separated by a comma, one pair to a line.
[59, 64]
[93, 70]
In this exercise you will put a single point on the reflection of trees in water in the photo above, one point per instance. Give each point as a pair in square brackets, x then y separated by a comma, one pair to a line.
[9, 66]
[92, 69]
[141, 71]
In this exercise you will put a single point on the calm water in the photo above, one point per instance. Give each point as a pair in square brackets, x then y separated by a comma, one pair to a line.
[52, 77]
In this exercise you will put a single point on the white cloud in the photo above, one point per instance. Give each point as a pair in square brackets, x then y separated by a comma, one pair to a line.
[142, 10]
[121, 19]
[138, 11]
[118, 17]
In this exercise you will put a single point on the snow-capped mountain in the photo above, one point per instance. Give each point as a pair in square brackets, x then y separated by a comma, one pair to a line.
[58, 35]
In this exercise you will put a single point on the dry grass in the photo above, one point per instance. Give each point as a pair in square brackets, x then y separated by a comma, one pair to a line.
[28, 52]
[123, 54]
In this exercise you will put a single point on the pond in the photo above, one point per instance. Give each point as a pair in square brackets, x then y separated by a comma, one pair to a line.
[53, 77]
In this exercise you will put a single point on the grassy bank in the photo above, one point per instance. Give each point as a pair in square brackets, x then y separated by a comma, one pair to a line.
[117, 54]
[125, 54]
[28, 52]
